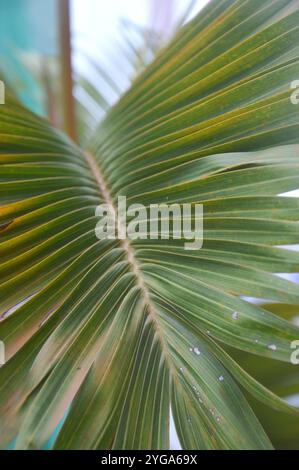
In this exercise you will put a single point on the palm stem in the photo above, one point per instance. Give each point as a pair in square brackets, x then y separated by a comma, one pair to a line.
[68, 105]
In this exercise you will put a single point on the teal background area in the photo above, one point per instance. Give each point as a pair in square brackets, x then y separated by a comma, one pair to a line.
[27, 27]
[51, 441]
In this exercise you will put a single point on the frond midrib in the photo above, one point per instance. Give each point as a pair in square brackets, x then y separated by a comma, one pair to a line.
[130, 252]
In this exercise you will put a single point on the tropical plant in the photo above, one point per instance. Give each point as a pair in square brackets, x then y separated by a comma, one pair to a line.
[115, 335]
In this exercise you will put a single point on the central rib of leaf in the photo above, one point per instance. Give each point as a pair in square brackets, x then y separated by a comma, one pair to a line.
[127, 247]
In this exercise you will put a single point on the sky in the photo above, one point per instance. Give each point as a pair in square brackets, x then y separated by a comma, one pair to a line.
[97, 28]
[100, 19]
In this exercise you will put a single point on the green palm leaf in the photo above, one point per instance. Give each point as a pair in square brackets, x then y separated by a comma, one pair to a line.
[117, 333]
